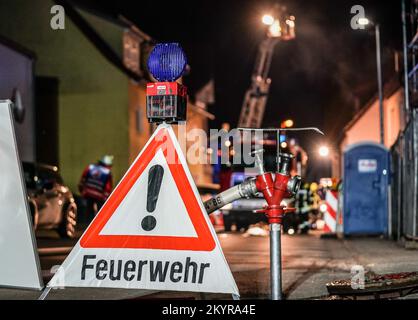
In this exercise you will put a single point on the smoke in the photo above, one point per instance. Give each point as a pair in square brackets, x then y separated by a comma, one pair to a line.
[327, 50]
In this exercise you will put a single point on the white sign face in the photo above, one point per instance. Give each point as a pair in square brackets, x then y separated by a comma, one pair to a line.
[367, 165]
[152, 233]
[19, 261]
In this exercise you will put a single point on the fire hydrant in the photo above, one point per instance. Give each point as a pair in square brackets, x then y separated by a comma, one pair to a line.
[275, 187]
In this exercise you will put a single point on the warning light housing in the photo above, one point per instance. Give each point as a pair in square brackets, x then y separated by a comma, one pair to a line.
[166, 99]
[167, 62]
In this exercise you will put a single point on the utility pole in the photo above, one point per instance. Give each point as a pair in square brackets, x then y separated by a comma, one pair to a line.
[380, 84]
[364, 22]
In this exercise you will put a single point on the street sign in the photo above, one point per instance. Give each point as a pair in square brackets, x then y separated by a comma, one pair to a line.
[19, 266]
[152, 233]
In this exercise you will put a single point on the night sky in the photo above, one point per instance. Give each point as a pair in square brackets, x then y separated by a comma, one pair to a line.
[318, 79]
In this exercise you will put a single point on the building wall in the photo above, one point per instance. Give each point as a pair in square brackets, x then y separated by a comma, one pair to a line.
[93, 94]
[139, 128]
[201, 172]
[16, 72]
[194, 146]
[393, 117]
[367, 127]
[140, 131]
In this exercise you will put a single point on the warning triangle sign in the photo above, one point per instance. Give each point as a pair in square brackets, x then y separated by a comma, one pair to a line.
[121, 221]
[153, 232]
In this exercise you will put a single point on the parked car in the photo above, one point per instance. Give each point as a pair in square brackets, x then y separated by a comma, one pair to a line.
[51, 202]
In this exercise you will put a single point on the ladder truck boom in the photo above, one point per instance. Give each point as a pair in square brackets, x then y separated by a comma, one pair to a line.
[255, 98]
[282, 27]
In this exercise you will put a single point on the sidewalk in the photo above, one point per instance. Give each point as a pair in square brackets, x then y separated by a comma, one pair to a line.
[332, 259]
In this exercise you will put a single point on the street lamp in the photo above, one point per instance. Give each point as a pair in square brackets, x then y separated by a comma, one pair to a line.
[267, 19]
[323, 151]
[364, 22]
[287, 123]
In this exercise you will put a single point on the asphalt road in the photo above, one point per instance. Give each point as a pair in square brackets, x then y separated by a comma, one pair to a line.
[309, 262]
[248, 257]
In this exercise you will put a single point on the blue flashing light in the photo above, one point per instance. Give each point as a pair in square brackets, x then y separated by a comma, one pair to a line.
[282, 138]
[167, 62]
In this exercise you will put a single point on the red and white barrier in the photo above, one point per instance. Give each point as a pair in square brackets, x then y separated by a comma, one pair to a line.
[330, 216]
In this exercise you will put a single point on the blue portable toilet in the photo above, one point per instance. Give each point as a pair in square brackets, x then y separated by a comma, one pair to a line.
[365, 189]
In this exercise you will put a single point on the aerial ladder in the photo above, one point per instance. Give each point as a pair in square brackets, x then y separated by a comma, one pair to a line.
[280, 27]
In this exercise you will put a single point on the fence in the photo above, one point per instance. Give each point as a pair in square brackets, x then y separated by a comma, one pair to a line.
[404, 184]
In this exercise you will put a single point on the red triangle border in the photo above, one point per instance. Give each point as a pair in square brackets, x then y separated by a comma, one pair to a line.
[204, 240]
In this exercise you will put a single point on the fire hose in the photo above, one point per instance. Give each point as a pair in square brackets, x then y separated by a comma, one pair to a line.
[246, 189]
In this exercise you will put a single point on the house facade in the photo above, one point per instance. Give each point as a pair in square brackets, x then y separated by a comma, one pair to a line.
[89, 91]
[365, 126]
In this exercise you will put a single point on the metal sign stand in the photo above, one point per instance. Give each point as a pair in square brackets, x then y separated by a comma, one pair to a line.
[45, 293]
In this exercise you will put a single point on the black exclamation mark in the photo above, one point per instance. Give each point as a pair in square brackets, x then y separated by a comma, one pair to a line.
[155, 177]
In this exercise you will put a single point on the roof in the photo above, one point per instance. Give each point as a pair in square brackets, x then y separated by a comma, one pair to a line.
[97, 40]
[201, 111]
[17, 47]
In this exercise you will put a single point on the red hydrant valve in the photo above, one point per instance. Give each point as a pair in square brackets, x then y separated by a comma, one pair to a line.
[275, 191]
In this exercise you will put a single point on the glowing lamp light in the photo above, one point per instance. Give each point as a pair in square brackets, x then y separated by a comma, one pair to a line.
[323, 207]
[167, 62]
[363, 21]
[291, 22]
[267, 19]
[275, 30]
[288, 123]
[323, 151]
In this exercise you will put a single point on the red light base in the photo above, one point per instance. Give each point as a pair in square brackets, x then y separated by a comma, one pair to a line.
[166, 102]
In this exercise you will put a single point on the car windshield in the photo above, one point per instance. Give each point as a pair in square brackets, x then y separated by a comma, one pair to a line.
[29, 174]
[49, 175]
[38, 176]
